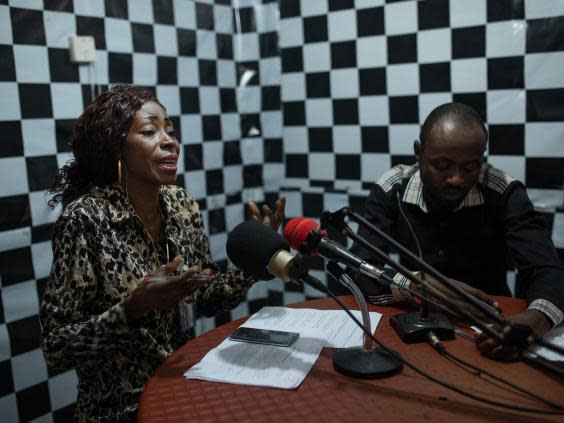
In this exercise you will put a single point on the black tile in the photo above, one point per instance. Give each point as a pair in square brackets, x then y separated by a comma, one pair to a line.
[24, 334]
[35, 101]
[252, 176]
[327, 185]
[41, 233]
[318, 85]
[370, 21]
[204, 16]
[228, 100]
[244, 67]
[222, 318]
[404, 109]
[544, 172]
[270, 98]
[11, 144]
[216, 221]
[27, 26]
[7, 385]
[211, 126]
[372, 81]
[320, 139]
[401, 159]
[545, 105]
[231, 153]
[250, 125]
[507, 139]
[375, 139]
[116, 9]
[90, 25]
[176, 125]
[289, 8]
[275, 298]
[345, 112]
[296, 166]
[63, 131]
[294, 112]
[503, 10]
[166, 70]
[65, 414]
[244, 19]
[434, 77]
[40, 171]
[17, 214]
[224, 45]
[120, 67]
[234, 198]
[505, 72]
[343, 54]
[340, 5]
[163, 12]
[468, 42]
[143, 38]
[433, 14]
[187, 45]
[256, 304]
[58, 5]
[475, 100]
[273, 150]
[312, 204]
[214, 182]
[545, 35]
[33, 402]
[292, 60]
[60, 66]
[347, 166]
[268, 43]
[193, 157]
[402, 48]
[208, 72]
[7, 64]
[315, 29]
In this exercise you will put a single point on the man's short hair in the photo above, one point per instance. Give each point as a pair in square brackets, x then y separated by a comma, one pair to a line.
[463, 113]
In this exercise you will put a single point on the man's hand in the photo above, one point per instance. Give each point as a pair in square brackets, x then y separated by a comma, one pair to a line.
[162, 289]
[274, 219]
[536, 320]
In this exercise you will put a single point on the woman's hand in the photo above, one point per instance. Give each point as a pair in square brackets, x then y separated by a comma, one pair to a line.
[160, 289]
[274, 219]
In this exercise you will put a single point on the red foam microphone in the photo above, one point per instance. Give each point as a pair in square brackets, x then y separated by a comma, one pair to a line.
[297, 231]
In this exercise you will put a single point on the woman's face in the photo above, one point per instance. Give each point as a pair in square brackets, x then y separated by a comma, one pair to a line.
[151, 149]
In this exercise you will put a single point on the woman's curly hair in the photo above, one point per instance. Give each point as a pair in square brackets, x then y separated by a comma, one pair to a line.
[96, 142]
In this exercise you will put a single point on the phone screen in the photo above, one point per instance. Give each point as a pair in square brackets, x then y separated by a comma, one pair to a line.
[264, 336]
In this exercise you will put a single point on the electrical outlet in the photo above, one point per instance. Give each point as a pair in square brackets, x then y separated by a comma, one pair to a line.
[82, 49]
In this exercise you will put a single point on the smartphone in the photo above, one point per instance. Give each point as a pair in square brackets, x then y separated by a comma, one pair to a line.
[264, 336]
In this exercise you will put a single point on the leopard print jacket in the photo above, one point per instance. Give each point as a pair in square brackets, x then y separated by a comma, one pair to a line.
[101, 252]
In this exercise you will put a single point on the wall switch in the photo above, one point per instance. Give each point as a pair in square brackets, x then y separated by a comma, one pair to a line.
[82, 49]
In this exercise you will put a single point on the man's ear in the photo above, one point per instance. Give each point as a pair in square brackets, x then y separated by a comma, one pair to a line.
[418, 150]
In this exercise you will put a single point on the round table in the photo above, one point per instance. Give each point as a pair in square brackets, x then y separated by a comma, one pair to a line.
[328, 396]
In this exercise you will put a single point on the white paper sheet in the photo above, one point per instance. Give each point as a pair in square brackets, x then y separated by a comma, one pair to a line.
[554, 336]
[280, 367]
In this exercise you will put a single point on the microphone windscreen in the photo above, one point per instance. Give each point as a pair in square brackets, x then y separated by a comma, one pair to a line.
[250, 245]
[297, 230]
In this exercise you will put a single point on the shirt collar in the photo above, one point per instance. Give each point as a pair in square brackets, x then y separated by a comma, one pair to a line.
[413, 193]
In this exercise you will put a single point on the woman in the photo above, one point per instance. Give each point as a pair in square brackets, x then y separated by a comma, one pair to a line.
[129, 253]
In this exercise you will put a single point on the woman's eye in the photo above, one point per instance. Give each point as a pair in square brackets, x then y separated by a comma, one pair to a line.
[147, 132]
[171, 133]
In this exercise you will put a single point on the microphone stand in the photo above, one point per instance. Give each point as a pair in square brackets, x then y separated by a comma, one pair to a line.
[366, 361]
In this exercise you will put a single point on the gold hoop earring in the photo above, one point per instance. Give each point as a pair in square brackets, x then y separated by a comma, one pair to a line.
[119, 172]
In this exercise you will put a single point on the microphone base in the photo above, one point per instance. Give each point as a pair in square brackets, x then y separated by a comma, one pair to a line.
[412, 328]
[359, 363]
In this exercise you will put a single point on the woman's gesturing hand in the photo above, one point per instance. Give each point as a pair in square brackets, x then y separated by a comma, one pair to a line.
[275, 218]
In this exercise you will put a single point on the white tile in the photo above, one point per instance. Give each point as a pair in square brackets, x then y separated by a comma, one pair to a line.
[271, 124]
[6, 25]
[373, 165]
[234, 214]
[293, 86]
[13, 239]
[319, 112]
[118, 35]
[213, 155]
[9, 101]
[506, 106]
[273, 175]
[58, 28]
[184, 14]
[267, 17]
[344, 83]
[42, 258]
[270, 71]
[373, 110]
[341, 25]
[252, 151]
[544, 70]
[63, 389]
[145, 69]
[317, 57]
[191, 129]
[558, 230]
[544, 139]
[362, 4]
[99, 72]
[505, 38]
[434, 45]
[67, 100]
[169, 96]
[142, 11]
[232, 179]
[27, 4]
[291, 32]
[465, 13]
[41, 213]
[545, 199]
[14, 176]
[313, 8]
[39, 137]
[428, 102]
[469, 75]
[321, 166]
[195, 183]
[223, 18]
[89, 7]
[20, 300]
[188, 72]
[347, 139]
[246, 46]
[9, 407]
[512, 165]
[207, 46]
[225, 73]
[403, 79]
[165, 40]
[295, 140]
[217, 245]
[5, 350]
[372, 52]
[29, 369]
[535, 9]
[230, 126]
[400, 18]
[209, 101]
[32, 64]
[402, 137]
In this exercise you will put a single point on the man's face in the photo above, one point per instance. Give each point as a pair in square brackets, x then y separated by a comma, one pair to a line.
[450, 162]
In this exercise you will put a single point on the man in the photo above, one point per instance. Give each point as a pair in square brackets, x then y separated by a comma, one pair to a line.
[467, 216]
